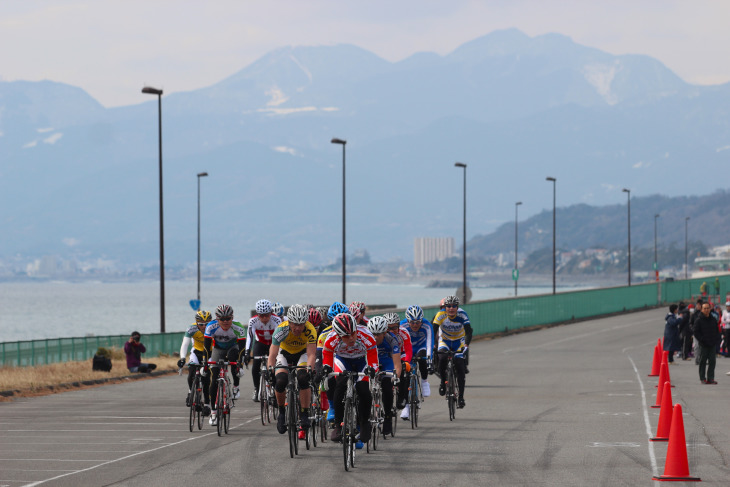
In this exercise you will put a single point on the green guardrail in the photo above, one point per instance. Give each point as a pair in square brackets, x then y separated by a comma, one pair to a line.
[491, 316]
[54, 350]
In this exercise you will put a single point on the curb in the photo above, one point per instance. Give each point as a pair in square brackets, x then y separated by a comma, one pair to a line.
[84, 383]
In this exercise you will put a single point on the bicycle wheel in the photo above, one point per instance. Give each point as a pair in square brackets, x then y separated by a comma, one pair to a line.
[264, 400]
[291, 420]
[314, 418]
[347, 434]
[450, 391]
[413, 401]
[199, 406]
[227, 414]
[219, 406]
[395, 411]
[376, 415]
[273, 404]
[192, 412]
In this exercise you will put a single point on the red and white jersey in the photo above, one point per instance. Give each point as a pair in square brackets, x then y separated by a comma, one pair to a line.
[261, 332]
[404, 341]
[364, 346]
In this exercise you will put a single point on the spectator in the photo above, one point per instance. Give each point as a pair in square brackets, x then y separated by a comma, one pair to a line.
[725, 348]
[692, 319]
[671, 332]
[685, 335]
[707, 334]
[134, 349]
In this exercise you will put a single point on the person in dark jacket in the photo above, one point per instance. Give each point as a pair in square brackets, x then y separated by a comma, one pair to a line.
[671, 332]
[685, 335]
[707, 334]
[692, 318]
[134, 349]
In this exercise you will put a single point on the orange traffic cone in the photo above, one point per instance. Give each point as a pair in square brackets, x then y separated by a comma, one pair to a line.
[662, 379]
[655, 363]
[665, 415]
[676, 466]
[664, 368]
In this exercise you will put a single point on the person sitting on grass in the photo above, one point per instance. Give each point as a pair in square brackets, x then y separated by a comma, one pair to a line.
[134, 349]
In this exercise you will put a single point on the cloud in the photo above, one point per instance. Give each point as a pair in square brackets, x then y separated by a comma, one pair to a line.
[53, 138]
[70, 241]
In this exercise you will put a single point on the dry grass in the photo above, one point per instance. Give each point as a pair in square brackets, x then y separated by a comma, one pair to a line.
[33, 381]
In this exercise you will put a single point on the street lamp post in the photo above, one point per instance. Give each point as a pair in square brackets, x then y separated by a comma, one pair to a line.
[554, 249]
[656, 261]
[200, 175]
[628, 194]
[463, 280]
[343, 143]
[516, 276]
[686, 262]
[154, 91]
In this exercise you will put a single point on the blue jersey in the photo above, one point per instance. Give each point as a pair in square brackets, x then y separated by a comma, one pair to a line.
[421, 339]
[386, 350]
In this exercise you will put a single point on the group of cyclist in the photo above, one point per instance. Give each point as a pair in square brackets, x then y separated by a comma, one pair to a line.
[324, 342]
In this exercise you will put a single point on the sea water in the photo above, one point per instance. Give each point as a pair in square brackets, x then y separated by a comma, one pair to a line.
[36, 310]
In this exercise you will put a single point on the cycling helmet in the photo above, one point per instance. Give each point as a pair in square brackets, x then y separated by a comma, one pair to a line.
[224, 311]
[297, 314]
[323, 311]
[315, 318]
[344, 324]
[377, 324]
[391, 318]
[263, 306]
[414, 313]
[336, 309]
[202, 316]
[358, 304]
[451, 301]
[355, 312]
[277, 309]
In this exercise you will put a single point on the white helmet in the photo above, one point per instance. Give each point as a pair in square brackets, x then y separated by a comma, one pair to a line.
[377, 325]
[297, 314]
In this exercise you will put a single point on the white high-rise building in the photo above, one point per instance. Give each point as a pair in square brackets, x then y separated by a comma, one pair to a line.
[431, 249]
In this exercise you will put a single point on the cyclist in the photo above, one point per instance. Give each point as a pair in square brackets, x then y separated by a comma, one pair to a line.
[389, 358]
[406, 352]
[294, 342]
[357, 309]
[260, 329]
[278, 310]
[353, 348]
[455, 335]
[421, 334]
[229, 337]
[195, 335]
[323, 332]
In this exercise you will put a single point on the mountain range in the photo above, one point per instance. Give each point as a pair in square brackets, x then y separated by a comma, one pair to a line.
[82, 179]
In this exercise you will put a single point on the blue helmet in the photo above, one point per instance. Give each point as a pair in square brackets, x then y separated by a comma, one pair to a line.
[277, 309]
[414, 313]
[336, 309]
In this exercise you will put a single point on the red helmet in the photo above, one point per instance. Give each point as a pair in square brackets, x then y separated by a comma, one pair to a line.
[315, 318]
[355, 311]
[344, 324]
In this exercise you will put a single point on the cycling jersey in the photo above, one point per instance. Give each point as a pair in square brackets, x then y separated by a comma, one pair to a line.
[386, 350]
[421, 339]
[225, 339]
[364, 347]
[261, 332]
[322, 337]
[452, 329]
[404, 342]
[293, 344]
[194, 335]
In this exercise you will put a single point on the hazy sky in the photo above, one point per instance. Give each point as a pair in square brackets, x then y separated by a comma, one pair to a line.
[111, 48]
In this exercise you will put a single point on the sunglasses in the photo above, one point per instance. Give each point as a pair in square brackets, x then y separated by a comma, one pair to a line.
[452, 306]
[264, 315]
[225, 318]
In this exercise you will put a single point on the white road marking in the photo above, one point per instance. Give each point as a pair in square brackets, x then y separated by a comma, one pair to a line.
[126, 457]
[621, 394]
[652, 456]
[615, 414]
[600, 444]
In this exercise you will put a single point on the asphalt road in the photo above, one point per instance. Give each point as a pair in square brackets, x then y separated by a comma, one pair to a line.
[564, 406]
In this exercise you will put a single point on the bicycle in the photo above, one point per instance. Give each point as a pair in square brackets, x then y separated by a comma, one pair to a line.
[223, 400]
[452, 387]
[266, 395]
[415, 394]
[349, 419]
[293, 406]
[394, 410]
[377, 414]
[319, 420]
[196, 398]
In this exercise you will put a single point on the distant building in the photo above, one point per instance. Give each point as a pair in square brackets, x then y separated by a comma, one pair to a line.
[431, 249]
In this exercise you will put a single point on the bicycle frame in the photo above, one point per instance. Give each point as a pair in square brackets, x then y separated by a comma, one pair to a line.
[293, 406]
[223, 402]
